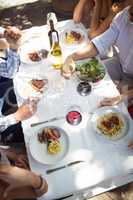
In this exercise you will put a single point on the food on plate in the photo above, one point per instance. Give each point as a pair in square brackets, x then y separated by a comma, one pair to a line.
[38, 55]
[90, 70]
[73, 36]
[110, 124]
[38, 85]
[50, 136]
[54, 147]
[34, 56]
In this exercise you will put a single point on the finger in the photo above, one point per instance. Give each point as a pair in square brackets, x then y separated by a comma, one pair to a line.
[24, 159]
[21, 164]
[130, 145]
[7, 190]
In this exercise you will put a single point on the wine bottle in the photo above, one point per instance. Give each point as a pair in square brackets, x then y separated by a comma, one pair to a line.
[56, 52]
[51, 31]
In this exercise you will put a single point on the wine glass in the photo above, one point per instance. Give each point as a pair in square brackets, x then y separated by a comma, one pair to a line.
[73, 115]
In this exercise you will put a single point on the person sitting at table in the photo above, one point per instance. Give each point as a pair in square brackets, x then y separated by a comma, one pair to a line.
[102, 14]
[9, 65]
[14, 181]
[119, 34]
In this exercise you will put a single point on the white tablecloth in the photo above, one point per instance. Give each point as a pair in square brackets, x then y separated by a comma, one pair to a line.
[104, 160]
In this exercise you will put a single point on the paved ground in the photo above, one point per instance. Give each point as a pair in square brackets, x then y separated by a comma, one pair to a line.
[33, 14]
[28, 15]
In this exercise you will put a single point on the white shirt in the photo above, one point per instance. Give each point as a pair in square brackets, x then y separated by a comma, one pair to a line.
[6, 121]
[119, 34]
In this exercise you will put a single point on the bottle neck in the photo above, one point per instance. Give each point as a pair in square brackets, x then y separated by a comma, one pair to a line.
[51, 25]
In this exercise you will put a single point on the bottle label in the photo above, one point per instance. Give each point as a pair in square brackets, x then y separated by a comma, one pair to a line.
[54, 37]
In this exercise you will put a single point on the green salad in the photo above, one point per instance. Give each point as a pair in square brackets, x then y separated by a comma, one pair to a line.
[90, 70]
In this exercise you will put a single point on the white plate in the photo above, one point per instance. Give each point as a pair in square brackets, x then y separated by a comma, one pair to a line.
[30, 47]
[74, 44]
[105, 110]
[39, 151]
[25, 89]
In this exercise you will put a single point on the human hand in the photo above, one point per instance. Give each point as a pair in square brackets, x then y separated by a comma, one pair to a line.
[13, 35]
[18, 178]
[68, 67]
[26, 110]
[3, 44]
[111, 101]
[130, 145]
[19, 159]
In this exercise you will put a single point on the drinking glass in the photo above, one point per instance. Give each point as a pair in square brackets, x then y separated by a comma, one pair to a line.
[73, 115]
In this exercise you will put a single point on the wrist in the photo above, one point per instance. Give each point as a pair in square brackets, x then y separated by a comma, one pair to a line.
[74, 57]
[123, 97]
[39, 185]
[17, 117]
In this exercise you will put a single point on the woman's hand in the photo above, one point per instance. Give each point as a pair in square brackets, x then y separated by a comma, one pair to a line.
[18, 178]
[68, 67]
[111, 101]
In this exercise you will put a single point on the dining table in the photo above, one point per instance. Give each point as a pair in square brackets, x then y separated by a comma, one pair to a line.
[91, 164]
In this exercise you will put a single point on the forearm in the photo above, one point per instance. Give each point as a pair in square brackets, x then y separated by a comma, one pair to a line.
[127, 94]
[95, 21]
[79, 11]
[88, 52]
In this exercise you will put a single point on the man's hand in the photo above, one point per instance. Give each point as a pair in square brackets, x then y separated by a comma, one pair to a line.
[26, 110]
[13, 35]
[111, 101]
[68, 67]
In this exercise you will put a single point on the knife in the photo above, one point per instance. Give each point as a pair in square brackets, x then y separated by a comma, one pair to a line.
[64, 166]
[46, 121]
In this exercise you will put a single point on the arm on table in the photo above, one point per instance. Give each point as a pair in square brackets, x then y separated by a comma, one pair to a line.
[25, 111]
[118, 99]
[98, 45]
[17, 180]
